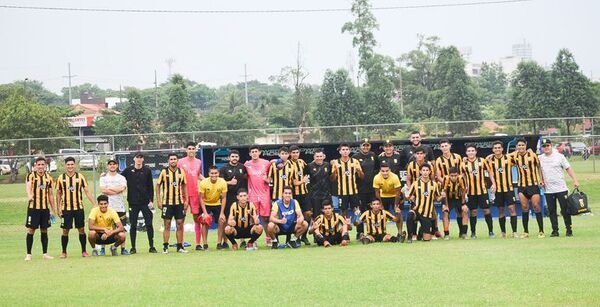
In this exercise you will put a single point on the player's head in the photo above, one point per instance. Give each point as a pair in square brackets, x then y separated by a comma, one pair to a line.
[138, 158]
[388, 147]
[376, 204]
[284, 153]
[521, 145]
[234, 157]
[471, 150]
[254, 152]
[112, 165]
[327, 207]
[425, 171]
[173, 158]
[191, 149]
[419, 153]
[242, 196]
[415, 138]
[213, 173]
[70, 164]
[319, 156]
[287, 193]
[384, 169]
[365, 146]
[497, 147]
[40, 164]
[445, 145]
[295, 152]
[453, 171]
[102, 202]
[547, 146]
[344, 150]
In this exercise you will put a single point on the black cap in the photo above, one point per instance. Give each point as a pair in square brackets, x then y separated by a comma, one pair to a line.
[388, 143]
[138, 154]
[365, 142]
[546, 142]
[112, 161]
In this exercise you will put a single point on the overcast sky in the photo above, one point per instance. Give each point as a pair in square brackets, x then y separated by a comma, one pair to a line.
[124, 48]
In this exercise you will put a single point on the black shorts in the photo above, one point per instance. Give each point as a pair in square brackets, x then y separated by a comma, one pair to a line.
[425, 222]
[70, 216]
[289, 231]
[365, 201]
[529, 191]
[303, 200]
[504, 199]
[478, 201]
[333, 239]
[388, 203]
[109, 240]
[349, 202]
[37, 218]
[173, 211]
[124, 219]
[454, 204]
[317, 203]
[243, 232]
[215, 211]
[378, 237]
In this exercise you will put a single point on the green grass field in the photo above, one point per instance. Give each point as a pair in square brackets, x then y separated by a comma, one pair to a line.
[551, 271]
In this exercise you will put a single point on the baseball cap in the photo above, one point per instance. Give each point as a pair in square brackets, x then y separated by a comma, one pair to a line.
[388, 143]
[546, 142]
[139, 154]
[112, 161]
[365, 142]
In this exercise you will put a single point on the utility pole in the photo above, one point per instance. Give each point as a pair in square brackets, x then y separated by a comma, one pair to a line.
[246, 82]
[400, 91]
[120, 94]
[170, 62]
[25, 87]
[70, 76]
[156, 93]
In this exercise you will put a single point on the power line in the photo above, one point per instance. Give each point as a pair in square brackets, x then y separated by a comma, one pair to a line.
[318, 10]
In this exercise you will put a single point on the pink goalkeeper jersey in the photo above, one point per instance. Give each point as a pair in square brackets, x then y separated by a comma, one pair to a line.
[256, 171]
[192, 173]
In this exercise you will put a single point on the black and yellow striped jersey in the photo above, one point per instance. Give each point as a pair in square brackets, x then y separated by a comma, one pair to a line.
[444, 164]
[376, 222]
[171, 182]
[332, 225]
[529, 167]
[347, 174]
[455, 189]
[476, 175]
[298, 171]
[413, 169]
[425, 194]
[502, 172]
[279, 178]
[243, 216]
[40, 190]
[71, 191]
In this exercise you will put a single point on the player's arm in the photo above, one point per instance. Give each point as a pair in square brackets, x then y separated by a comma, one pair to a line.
[58, 199]
[361, 219]
[334, 170]
[106, 190]
[223, 201]
[28, 190]
[409, 178]
[158, 198]
[119, 228]
[571, 174]
[273, 218]
[317, 226]
[231, 219]
[490, 170]
[202, 203]
[358, 169]
[89, 196]
[254, 217]
[51, 201]
[412, 195]
[539, 169]
[150, 186]
[299, 215]
[92, 226]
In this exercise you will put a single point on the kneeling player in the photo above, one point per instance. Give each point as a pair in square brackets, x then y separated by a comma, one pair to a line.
[286, 218]
[101, 222]
[330, 228]
[422, 194]
[376, 220]
[243, 222]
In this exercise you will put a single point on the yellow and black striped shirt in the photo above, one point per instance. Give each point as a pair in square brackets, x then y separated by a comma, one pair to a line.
[331, 226]
[529, 167]
[243, 216]
[298, 168]
[279, 178]
[376, 222]
[40, 189]
[172, 182]
[413, 169]
[476, 176]
[425, 194]
[454, 190]
[502, 172]
[71, 191]
[444, 164]
[347, 174]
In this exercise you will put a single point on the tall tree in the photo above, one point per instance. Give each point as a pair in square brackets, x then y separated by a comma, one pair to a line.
[574, 94]
[362, 30]
[136, 118]
[31, 88]
[380, 90]
[339, 104]
[176, 111]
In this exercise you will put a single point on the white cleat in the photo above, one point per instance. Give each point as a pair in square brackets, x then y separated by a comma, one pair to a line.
[28, 257]
[47, 257]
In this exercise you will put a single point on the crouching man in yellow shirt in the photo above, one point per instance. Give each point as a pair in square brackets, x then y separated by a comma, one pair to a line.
[105, 226]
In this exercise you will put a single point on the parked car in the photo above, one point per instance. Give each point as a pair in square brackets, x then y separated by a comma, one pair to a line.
[70, 152]
[4, 167]
[578, 148]
[88, 162]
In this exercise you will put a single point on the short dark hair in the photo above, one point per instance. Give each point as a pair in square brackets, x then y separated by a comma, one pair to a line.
[376, 199]
[442, 141]
[326, 202]
[415, 132]
[190, 144]
[283, 149]
[294, 147]
[419, 149]
[426, 165]
[254, 147]
[212, 167]
[172, 154]
[287, 187]
[242, 190]
[521, 140]
[383, 164]
[69, 159]
[40, 159]
[234, 152]
[343, 145]
[498, 143]
[319, 150]
[471, 145]
[453, 170]
[102, 198]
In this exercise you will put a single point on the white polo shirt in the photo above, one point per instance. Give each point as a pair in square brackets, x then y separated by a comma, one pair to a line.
[117, 201]
[553, 166]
